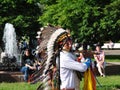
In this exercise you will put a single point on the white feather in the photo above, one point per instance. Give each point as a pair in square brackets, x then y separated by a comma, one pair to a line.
[50, 53]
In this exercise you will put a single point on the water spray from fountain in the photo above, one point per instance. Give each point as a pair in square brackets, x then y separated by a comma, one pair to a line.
[9, 39]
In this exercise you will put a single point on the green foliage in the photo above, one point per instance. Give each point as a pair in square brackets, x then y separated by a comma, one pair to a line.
[111, 19]
[90, 21]
[23, 14]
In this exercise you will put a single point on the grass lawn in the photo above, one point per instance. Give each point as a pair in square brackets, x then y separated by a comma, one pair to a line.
[18, 86]
[107, 83]
[112, 58]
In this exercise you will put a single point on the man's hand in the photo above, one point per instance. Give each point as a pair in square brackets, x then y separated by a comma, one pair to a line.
[88, 62]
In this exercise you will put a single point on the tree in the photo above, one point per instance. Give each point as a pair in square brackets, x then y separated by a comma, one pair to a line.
[90, 21]
[23, 14]
[110, 23]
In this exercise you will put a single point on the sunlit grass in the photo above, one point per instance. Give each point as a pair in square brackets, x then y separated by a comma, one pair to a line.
[18, 86]
[107, 83]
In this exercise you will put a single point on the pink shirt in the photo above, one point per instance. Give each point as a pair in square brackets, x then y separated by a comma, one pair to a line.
[100, 56]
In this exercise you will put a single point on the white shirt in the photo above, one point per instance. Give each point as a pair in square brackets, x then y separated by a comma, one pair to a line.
[67, 67]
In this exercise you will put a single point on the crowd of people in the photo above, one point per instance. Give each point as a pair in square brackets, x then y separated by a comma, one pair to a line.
[69, 63]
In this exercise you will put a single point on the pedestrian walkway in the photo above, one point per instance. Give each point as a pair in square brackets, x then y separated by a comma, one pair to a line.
[113, 63]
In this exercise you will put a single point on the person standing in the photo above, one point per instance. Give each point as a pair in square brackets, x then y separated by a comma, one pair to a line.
[68, 66]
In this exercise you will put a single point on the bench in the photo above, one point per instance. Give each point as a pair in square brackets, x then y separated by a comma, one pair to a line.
[107, 46]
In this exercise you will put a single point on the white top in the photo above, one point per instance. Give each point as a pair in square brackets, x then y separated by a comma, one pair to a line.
[67, 67]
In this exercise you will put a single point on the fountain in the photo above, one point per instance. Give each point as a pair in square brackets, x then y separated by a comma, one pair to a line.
[10, 54]
[9, 38]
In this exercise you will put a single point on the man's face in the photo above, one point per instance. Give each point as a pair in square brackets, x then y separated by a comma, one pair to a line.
[68, 45]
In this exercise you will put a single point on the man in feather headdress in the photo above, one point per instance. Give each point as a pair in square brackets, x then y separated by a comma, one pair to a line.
[59, 46]
[68, 66]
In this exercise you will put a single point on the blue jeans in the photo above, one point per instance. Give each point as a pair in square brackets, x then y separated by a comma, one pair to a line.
[25, 71]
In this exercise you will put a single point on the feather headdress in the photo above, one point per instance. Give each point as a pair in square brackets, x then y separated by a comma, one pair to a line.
[52, 40]
[53, 46]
